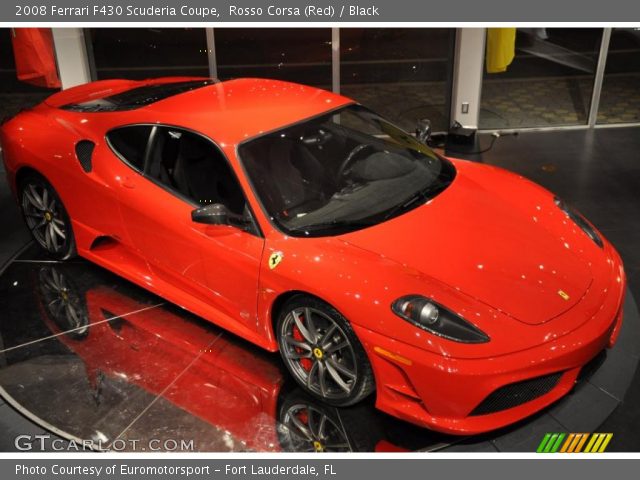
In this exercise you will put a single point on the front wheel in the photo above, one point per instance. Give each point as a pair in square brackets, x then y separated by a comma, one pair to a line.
[322, 352]
[63, 302]
[46, 217]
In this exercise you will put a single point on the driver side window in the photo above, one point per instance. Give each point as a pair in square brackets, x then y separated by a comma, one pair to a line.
[194, 168]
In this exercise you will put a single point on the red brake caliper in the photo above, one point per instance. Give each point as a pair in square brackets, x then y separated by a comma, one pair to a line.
[305, 362]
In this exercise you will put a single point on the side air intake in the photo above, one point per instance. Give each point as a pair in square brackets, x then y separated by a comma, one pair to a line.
[84, 152]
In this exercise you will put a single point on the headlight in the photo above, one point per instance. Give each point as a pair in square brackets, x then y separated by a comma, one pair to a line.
[428, 315]
[580, 221]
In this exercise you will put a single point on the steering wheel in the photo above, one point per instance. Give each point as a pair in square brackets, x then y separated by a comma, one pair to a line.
[351, 158]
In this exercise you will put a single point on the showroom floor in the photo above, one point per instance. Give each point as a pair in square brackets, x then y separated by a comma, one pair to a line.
[543, 102]
[125, 381]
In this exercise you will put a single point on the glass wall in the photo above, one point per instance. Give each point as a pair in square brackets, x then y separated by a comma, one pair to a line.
[300, 55]
[139, 53]
[402, 73]
[15, 95]
[549, 82]
[620, 97]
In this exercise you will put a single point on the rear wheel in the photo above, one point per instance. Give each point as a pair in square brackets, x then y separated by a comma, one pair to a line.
[322, 352]
[46, 217]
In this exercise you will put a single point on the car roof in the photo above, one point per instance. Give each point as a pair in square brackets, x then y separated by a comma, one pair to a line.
[228, 112]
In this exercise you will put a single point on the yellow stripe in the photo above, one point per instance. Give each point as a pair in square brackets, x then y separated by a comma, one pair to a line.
[606, 442]
[596, 445]
[566, 444]
[592, 440]
[582, 440]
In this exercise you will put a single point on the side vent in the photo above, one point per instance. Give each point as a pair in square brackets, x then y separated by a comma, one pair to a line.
[84, 152]
[103, 242]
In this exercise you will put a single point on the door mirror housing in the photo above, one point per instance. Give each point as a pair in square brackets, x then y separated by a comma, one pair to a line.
[217, 214]
[423, 130]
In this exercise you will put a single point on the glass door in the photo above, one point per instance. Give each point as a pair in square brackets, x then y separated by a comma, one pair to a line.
[620, 96]
[549, 83]
[402, 73]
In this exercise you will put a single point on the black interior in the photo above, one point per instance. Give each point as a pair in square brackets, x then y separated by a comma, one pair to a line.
[302, 178]
[194, 167]
[183, 161]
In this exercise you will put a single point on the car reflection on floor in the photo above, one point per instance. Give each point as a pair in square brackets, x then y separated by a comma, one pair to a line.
[99, 359]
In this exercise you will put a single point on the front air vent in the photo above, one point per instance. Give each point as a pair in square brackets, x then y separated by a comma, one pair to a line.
[516, 394]
[84, 152]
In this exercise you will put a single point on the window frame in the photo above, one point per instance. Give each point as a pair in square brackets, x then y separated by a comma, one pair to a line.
[254, 228]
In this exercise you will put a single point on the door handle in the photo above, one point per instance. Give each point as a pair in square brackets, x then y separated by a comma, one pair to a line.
[126, 182]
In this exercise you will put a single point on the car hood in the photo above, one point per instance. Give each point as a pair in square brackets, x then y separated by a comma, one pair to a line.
[492, 235]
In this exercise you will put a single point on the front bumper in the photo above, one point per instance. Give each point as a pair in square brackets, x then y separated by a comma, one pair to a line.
[450, 395]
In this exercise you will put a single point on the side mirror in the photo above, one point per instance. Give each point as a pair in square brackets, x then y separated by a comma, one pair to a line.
[217, 214]
[423, 130]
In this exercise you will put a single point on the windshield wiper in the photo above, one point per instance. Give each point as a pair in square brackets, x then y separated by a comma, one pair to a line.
[412, 200]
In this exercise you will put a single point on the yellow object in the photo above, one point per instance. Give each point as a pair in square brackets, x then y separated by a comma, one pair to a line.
[605, 443]
[563, 294]
[594, 437]
[501, 47]
[275, 259]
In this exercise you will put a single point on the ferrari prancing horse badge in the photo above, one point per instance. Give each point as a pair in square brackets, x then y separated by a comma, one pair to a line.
[275, 259]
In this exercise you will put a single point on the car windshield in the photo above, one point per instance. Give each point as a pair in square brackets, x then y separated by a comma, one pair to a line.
[346, 170]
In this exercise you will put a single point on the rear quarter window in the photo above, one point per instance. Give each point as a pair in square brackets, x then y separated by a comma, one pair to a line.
[130, 144]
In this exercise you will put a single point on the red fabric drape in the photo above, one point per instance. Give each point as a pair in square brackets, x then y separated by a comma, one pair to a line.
[35, 56]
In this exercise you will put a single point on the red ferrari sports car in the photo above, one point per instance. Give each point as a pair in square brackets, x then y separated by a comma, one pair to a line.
[465, 296]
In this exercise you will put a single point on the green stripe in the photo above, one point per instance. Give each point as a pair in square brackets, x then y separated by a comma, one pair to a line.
[550, 443]
[558, 443]
[543, 443]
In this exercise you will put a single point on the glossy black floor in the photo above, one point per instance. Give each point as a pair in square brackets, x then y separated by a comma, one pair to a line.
[138, 368]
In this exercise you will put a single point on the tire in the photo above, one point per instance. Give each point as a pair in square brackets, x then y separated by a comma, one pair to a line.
[63, 302]
[331, 363]
[308, 425]
[46, 217]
